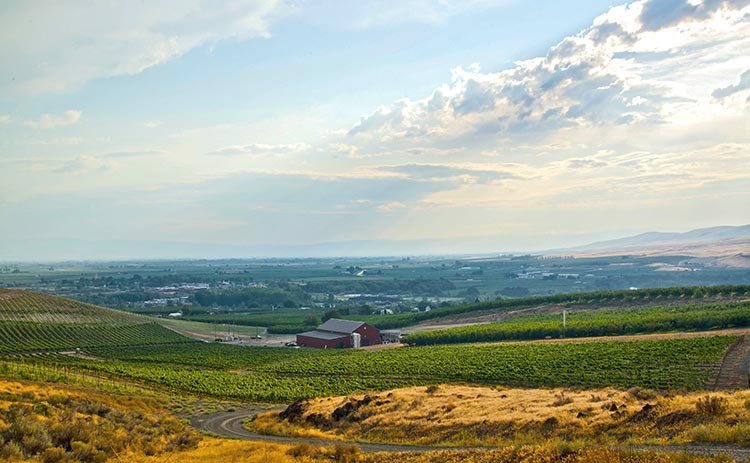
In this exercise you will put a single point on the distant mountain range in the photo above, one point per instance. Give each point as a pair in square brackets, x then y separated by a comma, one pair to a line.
[716, 246]
[701, 235]
[728, 242]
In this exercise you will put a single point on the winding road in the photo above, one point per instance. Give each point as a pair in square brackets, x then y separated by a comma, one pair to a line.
[229, 424]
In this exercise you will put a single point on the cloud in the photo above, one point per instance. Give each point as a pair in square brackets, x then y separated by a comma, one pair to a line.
[152, 124]
[657, 14]
[584, 163]
[106, 39]
[132, 154]
[260, 149]
[442, 173]
[85, 163]
[49, 121]
[4, 119]
[743, 84]
[618, 72]
[104, 162]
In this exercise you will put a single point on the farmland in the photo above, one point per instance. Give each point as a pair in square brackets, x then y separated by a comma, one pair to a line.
[123, 352]
[31, 322]
[582, 323]
[280, 375]
[135, 348]
[290, 295]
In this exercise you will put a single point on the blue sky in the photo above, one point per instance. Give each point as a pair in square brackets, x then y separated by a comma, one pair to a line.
[494, 125]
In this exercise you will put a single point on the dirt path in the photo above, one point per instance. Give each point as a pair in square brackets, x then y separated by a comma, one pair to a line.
[735, 367]
[229, 424]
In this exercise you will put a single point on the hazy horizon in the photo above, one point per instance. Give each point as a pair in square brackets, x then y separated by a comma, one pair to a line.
[318, 126]
[59, 251]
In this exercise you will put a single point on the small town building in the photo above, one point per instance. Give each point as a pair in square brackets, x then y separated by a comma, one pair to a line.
[340, 334]
[389, 336]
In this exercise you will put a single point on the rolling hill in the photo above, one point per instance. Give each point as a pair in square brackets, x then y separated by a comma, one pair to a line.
[33, 322]
[715, 247]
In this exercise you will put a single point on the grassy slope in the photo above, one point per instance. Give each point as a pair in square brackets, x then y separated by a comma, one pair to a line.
[469, 416]
[32, 322]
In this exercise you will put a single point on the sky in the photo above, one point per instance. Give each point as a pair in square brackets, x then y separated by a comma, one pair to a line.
[248, 128]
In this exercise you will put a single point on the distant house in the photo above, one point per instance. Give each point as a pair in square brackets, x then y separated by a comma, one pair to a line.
[339, 334]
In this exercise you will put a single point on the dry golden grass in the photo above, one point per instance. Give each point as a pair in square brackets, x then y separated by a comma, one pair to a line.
[468, 415]
[543, 454]
[257, 452]
[225, 450]
[62, 423]
[453, 402]
[40, 392]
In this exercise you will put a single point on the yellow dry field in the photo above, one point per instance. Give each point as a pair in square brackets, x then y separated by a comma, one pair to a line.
[468, 416]
[46, 412]
[27, 391]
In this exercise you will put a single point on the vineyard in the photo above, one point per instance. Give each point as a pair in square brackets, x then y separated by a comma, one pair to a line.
[683, 363]
[31, 322]
[280, 375]
[639, 320]
[135, 349]
[650, 296]
[289, 321]
[26, 306]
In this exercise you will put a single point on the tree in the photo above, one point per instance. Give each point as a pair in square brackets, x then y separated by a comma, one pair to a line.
[329, 314]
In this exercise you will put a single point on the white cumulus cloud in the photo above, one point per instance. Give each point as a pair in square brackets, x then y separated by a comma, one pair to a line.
[261, 149]
[54, 47]
[629, 67]
[49, 121]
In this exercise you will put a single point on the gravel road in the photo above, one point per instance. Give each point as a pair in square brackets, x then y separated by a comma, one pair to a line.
[229, 424]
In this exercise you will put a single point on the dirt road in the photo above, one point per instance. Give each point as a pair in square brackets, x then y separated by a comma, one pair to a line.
[229, 424]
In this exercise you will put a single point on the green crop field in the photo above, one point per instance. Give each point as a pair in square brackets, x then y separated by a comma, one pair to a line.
[135, 349]
[32, 322]
[651, 296]
[611, 322]
[276, 374]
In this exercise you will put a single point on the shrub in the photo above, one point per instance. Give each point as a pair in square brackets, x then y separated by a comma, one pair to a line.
[561, 400]
[712, 406]
[347, 453]
[35, 439]
[183, 441]
[303, 450]
[11, 451]
[642, 394]
[55, 455]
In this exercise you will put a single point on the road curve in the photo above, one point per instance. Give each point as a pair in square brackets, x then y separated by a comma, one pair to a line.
[229, 424]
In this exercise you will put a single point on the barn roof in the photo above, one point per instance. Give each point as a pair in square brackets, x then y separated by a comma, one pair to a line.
[336, 325]
[323, 335]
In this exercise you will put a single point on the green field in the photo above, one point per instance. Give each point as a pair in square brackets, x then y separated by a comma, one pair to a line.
[610, 322]
[135, 349]
[275, 374]
[31, 322]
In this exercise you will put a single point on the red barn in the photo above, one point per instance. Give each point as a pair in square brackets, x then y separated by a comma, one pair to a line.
[339, 334]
